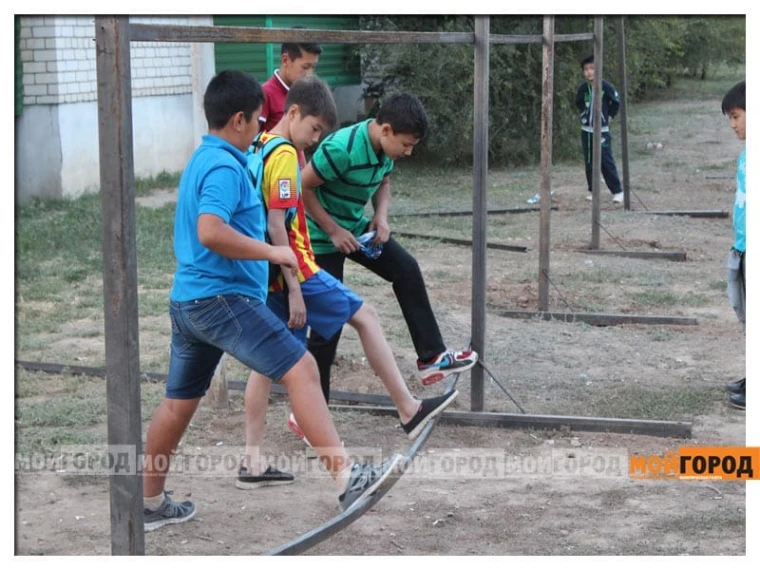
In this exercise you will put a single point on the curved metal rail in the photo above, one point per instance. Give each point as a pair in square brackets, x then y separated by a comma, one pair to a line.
[355, 511]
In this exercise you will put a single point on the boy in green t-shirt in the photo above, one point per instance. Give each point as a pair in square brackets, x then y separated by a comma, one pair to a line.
[348, 169]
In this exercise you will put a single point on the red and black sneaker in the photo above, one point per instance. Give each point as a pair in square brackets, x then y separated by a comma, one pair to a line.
[446, 363]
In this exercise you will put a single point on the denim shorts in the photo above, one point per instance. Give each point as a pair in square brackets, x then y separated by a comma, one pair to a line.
[243, 327]
[329, 305]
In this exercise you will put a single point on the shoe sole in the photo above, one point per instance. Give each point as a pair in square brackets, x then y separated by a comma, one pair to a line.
[383, 478]
[248, 486]
[737, 406]
[416, 431]
[158, 524]
[438, 376]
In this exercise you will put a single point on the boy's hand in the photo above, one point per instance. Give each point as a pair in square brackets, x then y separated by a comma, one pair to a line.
[297, 310]
[282, 255]
[344, 241]
[380, 225]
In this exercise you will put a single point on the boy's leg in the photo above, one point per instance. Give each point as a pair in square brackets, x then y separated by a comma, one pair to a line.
[399, 267]
[382, 361]
[586, 140]
[324, 349]
[609, 170]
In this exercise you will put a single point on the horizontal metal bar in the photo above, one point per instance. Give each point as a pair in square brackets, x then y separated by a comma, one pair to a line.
[533, 421]
[454, 213]
[692, 213]
[238, 34]
[669, 255]
[465, 242]
[598, 319]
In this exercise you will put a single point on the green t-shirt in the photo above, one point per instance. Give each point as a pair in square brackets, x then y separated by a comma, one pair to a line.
[352, 172]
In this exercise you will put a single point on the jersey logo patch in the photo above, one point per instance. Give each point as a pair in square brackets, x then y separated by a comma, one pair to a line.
[284, 186]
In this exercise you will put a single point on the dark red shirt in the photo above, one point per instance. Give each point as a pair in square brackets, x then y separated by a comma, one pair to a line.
[275, 93]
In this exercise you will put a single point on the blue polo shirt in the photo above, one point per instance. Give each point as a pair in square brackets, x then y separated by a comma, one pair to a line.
[740, 203]
[215, 181]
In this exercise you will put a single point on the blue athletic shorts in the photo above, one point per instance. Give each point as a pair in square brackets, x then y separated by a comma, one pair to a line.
[329, 305]
[243, 327]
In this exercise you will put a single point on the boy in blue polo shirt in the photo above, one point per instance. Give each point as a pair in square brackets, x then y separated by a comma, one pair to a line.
[218, 304]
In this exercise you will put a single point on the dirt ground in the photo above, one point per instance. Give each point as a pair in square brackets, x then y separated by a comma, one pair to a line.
[631, 371]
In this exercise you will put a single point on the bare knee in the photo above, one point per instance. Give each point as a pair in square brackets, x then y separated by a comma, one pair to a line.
[303, 372]
[364, 317]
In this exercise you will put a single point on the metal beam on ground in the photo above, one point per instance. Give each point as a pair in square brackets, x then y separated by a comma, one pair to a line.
[669, 255]
[533, 421]
[117, 187]
[464, 242]
[692, 213]
[466, 213]
[598, 319]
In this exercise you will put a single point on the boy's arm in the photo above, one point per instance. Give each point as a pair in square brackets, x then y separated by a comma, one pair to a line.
[343, 240]
[278, 234]
[381, 200]
[613, 97]
[218, 236]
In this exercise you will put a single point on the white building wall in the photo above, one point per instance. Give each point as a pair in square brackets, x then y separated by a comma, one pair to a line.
[57, 135]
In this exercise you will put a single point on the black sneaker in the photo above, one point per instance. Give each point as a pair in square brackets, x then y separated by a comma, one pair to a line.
[268, 478]
[429, 408]
[737, 387]
[170, 512]
[366, 479]
[738, 401]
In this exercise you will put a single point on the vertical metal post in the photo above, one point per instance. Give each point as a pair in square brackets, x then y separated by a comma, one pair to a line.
[547, 99]
[596, 145]
[117, 187]
[623, 109]
[479, 205]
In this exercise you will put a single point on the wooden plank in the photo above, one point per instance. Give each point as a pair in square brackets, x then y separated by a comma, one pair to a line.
[514, 39]
[669, 255]
[599, 319]
[547, 106]
[587, 36]
[467, 213]
[596, 145]
[692, 213]
[117, 187]
[623, 90]
[479, 206]
[465, 242]
[532, 421]
[238, 34]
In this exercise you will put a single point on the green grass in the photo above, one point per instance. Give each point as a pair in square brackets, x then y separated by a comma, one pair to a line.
[144, 186]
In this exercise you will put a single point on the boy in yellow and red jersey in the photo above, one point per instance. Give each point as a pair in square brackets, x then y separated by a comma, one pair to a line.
[313, 298]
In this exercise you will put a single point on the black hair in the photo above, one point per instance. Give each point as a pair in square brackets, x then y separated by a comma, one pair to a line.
[295, 50]
[736, 98]
[314, 99]
[405, 114]
[229, 92]
[587, 59]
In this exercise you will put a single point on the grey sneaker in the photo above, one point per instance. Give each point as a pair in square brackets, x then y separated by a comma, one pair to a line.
[170, 512]
[268, 478]
[366, 479]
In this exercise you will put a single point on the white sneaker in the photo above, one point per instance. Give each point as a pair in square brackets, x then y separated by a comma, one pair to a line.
[590, 197]
[618, 198]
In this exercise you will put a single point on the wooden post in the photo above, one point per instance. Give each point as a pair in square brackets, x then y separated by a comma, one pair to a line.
[217, 395]
[479, 205]
[596, 162]
[624, 110]
[547, 101]
[117, 186]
